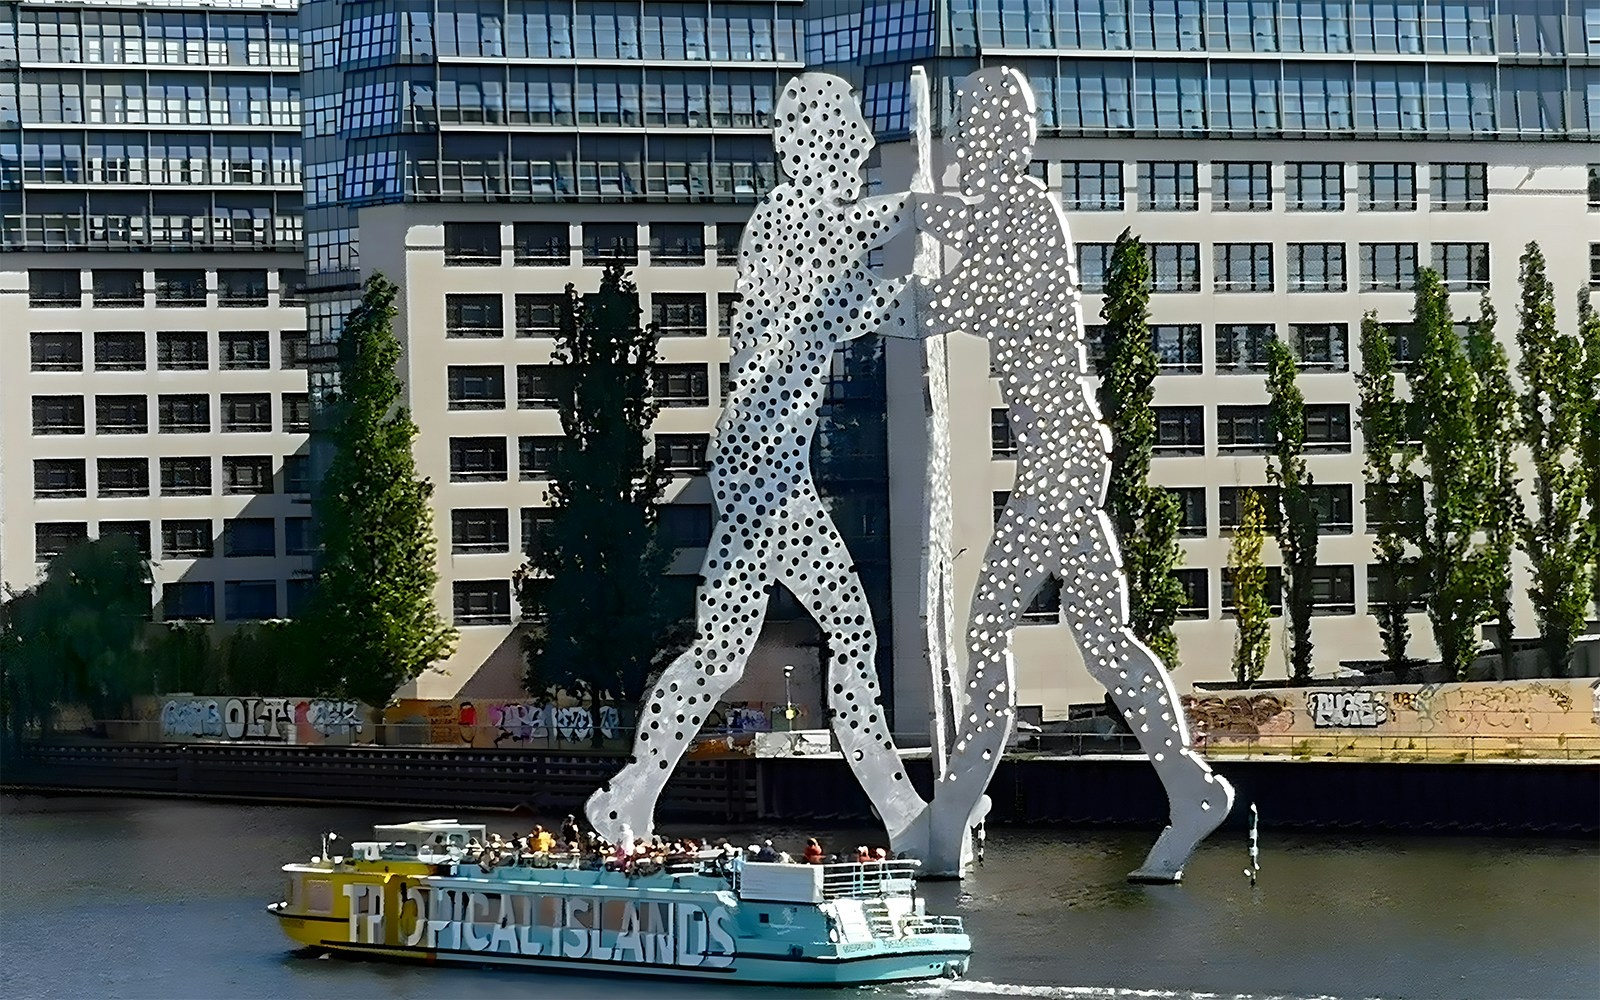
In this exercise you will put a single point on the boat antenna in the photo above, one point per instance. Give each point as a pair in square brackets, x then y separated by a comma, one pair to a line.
[1255, 845]
[327, 836]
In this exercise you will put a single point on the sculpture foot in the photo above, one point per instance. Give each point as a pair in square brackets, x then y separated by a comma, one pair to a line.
[909, 832]
[624, 810]
[1194, 819]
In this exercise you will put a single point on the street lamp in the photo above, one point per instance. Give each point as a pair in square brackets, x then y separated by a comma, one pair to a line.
[788, 701]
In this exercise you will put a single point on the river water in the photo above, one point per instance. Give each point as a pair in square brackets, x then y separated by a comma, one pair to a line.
[110, 898]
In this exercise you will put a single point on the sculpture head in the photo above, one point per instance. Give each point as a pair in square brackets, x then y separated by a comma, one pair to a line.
[997, 126]
[821, 138]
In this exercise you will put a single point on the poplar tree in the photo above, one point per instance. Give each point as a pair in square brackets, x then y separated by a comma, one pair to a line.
[1252, 613]
[1497, 424]
[1389, 476]
[1555, 403]
[1146, 517]
[1589, 333]
[373, 621]
[1445, 391]
[592, 585]
[1297, 520]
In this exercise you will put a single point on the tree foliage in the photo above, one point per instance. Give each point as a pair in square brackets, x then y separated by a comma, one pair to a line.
[1555, 404]
[1445, 390]
[1297, 521]
[374, 621]
[1146, 517]
[1496, 419]
[1252, 613]
[1589, 333]
[598, 624]
[1389, 475]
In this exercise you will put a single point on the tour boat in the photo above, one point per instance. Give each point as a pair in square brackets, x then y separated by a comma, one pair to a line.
[414, 892]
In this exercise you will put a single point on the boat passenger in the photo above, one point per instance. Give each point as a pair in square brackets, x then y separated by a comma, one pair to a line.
[813, 853]
[880, 855]
[766, 853]
[543, 842]
[569, 831]
[863, 855]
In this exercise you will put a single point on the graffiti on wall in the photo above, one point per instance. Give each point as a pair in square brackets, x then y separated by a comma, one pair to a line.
[1356, 709]
[1246, 714]
[290, 720]
[505, 723]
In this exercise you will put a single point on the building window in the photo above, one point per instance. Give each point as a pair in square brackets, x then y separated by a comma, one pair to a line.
[727, 312]
[297, 595]
[477, 459]
[246, 412]
[185, 477]
[536, 524]
[477, 387]
[248, 475]
[181, 287]
[186, 539]
[1241, 187]
[729, 236]
[250, 600]
[181, 351]
[685, 525]
[56, 352]
[1243, 267]
[51, 538]
[678, 244]
[1094, 264]
[1196, 584]
[1386, 505]
[239, 288]
[1230, 506]
[480, 529]
[1388, 267]
[1314, 187]
[482, 602]
[681, 385]
[1321, 347]
[542, 244]
[1327, 427]
[678, 315]
[58, 415]
[119, 352]
[118, 289]
[1244, 429]
[1333, 590]
[1092, 185]
[245, 350]
[1175, 267]
[59, 478]
[1177, 348]
[539, 314]
[537, 455]
[1388, 187]
[1594, 186]
[296, 413]
[297, 473]
[472, 244]
[1413, 586]
[1166, 186]
[1002, 444]
[1458, 187]
[188, 602]
[122, 414]
[1316, 267]
[1594, 265]
[55, 288]
[682, 453]
[473, 316]
[1332, 503]
[1463, 267]
[249, 536]
[1045, 607]
[123, 477]
[1274, 590]
[298, 537]
[1180, 430]
[292, 287]
[294, 350]
[610, 243]
[1191, 509]
[538, 387]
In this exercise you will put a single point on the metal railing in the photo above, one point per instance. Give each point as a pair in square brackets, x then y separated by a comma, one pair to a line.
[933, 925]
[1389, 747]
[869, 879]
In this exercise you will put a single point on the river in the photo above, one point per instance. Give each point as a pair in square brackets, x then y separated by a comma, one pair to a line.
[111, 898]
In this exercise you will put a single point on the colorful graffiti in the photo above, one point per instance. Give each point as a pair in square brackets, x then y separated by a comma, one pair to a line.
[503, 723]
[1246, 714]
[288, 720]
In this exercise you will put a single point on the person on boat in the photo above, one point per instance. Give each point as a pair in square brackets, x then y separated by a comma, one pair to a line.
[767, 853]
[569, 830]
[863, 855]
[880, 855]
[543, 842]
[813, 854]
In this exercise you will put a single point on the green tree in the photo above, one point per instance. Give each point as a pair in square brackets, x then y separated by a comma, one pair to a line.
[1146, 517]
[1589, 333]
[1445, 392]
[374, 623]
[1391, 481]
[1297, 520]
[598, 624]
[1496, 418]
[1555, 401]
[1252, 613]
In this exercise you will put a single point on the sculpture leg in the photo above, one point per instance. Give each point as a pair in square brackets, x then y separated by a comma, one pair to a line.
[731, 606]
[1142, 688]
[817, 567]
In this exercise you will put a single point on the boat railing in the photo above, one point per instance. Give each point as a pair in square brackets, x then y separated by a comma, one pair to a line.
[869, 879]
[933, 925]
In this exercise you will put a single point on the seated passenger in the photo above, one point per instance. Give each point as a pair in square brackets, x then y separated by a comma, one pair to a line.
[543, 842]
[863, 855]
[766, 853]
[813, 853]
[569, 831]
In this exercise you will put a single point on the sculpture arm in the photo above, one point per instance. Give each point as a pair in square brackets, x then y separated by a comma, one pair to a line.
[876, 221]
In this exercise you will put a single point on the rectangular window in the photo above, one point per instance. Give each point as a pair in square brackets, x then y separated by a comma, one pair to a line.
[1314, 187]
[1244, 429]
[118, 289]
[123, 477]
[1388, 187]
[542, 244]
[246, 475]
[537, 455]
[610, 243]
[477, 459]
[1333, 590]
[249, 536]
[56, 352]
[472, 244]
[1385, 504]
[729, 236]
[241, 288]
[1327, 427]
[1243, 267]
[246, 412]
[1316, 267]
[55, 288]
[1002, 444]
[181, 351]
[1274, 590]
[477, 387]
[51, 538]
[1230, 506]
[485, 529]
[1241, 187]
[539, 314]
[59, 478]
[684, 454]
[299, 538]
[1388, 267]
[245, 350]
[185, 477]
[137, 532]
[292, 287]
[1094, 264]
[250, 600]
[122, 414]
[186, 539]
[1092, 185]
[1045, 607]
[1177, 348]
[1458, 187]
[1463, 267]
[1412, 586]
[1191, 509]
[1332, 503]
[1180, 430]
[678, 244]
[58, 415]
[474, 316]
[481, 602]
[685, 525]
[296, 412]
[678, 315]
[538, 387]
[297, 473]
[681, 385]
[119, 352]
[1321, 347]
[194, 601]
[1594, 265]
[1175, 267]
[1196, 584]
[294, 350]
[1166, 186]
[536, 524]
[181, 287]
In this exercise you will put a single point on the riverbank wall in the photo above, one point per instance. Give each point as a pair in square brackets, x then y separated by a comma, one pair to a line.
[1514, 797]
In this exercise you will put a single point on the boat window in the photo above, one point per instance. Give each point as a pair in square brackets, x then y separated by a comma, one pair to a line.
[319, 896]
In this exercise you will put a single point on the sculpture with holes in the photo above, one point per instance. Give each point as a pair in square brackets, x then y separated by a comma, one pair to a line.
[805, 289]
